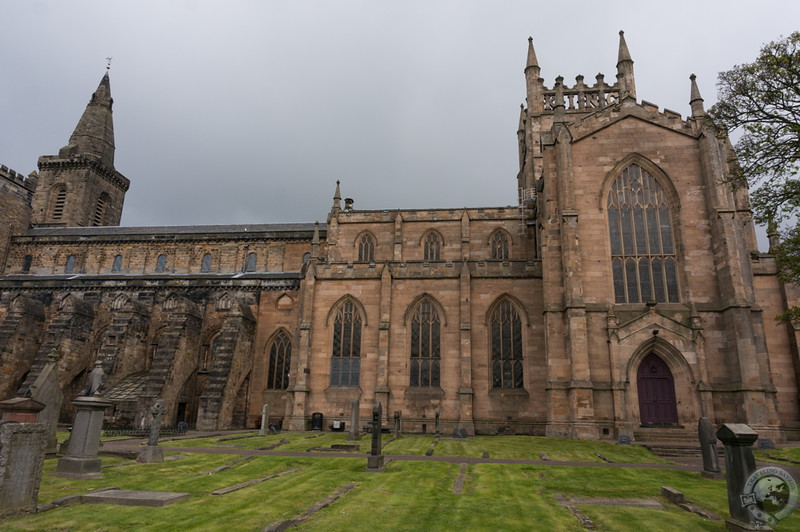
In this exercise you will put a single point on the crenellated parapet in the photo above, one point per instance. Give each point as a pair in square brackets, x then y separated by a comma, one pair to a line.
[28, 183]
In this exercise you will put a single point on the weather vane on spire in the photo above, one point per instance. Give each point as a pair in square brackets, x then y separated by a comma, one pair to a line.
[108, 63]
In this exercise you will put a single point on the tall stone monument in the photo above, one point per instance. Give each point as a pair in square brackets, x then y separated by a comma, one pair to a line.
[353, 434]
[740, 463]
[22, 448]
[708, 446]
[80, 460]
[264, 420]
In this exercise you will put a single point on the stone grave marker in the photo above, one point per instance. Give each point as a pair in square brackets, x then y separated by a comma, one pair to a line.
[740, 463]
[22, 447]
[375, 458]
[398, 416]
[152, 453]
[708, 446]
[264, 420]
[438, 426]
[353, 434]
[46, 390]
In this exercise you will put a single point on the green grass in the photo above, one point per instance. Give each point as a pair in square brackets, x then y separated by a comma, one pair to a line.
[791, 453]
[409, 495]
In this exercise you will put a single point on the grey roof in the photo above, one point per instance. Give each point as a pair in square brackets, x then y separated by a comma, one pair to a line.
[172, 229]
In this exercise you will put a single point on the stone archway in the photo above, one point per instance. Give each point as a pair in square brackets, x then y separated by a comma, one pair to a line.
[656, 389]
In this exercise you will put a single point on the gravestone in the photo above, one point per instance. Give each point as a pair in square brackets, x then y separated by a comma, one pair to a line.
[22, 448]
[353, 435]
[708, 446]
[264, 420]
[152, 453]
[438, 426]
[375, 458]
[397, 420]
[740, 463]
[46, 390]
[80, 460]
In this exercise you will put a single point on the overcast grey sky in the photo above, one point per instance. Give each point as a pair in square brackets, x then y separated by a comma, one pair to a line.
[249, 111]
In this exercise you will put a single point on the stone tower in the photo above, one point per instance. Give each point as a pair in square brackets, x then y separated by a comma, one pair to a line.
[80, 186]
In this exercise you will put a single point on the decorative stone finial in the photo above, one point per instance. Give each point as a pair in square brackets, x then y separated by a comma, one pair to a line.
[695, 100]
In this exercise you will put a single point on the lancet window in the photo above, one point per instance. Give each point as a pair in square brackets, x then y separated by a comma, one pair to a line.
[346, 351]
[366, 248]
[280, 360]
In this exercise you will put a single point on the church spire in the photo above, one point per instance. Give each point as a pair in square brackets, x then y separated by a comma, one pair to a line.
[625, 78]
[534, 84]
[532, 62]
[337, 199]
[94, 135]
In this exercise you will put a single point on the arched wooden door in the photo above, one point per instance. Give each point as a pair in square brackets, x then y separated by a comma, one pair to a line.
[656, 387]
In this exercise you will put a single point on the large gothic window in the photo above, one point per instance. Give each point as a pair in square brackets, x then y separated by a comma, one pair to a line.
[280, 359]
[425, 345]
[346, 353]
[432, 244]
[642, 244]
[366, 248]
[506, 330]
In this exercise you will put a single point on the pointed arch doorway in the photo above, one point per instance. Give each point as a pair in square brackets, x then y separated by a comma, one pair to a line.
[656, 389]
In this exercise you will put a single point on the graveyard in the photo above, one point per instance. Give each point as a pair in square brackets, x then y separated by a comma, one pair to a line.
[323, 480]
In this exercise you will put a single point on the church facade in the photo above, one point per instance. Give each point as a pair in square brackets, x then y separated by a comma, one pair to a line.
[624, 295]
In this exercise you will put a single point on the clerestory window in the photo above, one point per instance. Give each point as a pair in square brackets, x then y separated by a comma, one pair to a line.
[643, 259]
[432, 246]
[366, 248]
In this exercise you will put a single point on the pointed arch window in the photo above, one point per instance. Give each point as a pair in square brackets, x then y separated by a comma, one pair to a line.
[432, 244]
[506, 331]
[643, 259]
[366, 248]
[499, 245]
[70, 264]
[251, 262]
[117, 266]
[205, 266]
[280, 359]
[425, 353]
[346, 352]
[161, 263]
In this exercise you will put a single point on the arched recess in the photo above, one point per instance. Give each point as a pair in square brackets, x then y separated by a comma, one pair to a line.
[278, 356]
[341, 301]
[684, 384]
[412, 307]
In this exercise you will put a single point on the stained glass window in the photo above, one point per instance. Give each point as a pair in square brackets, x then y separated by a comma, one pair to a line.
[280, 359]
[643, 261]
[425, 345]
[346, 354]
[506, 331]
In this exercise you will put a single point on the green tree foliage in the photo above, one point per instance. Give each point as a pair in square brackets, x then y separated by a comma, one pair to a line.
[762, 100]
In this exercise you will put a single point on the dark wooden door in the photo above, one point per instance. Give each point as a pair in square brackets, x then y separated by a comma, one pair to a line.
[656, 388]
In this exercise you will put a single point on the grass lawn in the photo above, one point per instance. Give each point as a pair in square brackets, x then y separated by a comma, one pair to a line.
[409, 495]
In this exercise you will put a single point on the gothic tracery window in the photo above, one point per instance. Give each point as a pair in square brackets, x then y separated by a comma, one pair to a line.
[366, 248]
[280, 359]
[346, 351]
[643, 259]
[432, 244]
[506, 331]
[425, 366]
[499, 244]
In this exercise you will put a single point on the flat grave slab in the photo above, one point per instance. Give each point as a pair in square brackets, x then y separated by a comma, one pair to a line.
[133, 498]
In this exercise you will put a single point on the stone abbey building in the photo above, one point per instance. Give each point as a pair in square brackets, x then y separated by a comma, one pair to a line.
[623, 295]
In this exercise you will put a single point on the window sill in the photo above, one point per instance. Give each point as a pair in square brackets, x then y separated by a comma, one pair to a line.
[508, 393]
[424, 393]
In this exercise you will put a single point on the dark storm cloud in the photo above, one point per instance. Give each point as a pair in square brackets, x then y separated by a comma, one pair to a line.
[248, 112]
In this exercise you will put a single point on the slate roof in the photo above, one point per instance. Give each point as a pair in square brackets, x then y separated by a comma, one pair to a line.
[173, 229]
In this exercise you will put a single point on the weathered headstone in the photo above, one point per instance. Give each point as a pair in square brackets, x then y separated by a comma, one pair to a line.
[80, 460]
[708, 446]
[375, 458]
[438, 426]
[46, 390]
[264, 420]
[740, 463]
[152, 453]
[397, 420]
[353, 434]
[22, 448]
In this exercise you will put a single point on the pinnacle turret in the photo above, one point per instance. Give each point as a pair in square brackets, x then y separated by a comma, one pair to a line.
[94, 135]
[532, 62]
[695, 100]
[625, 77]
[337, 199]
